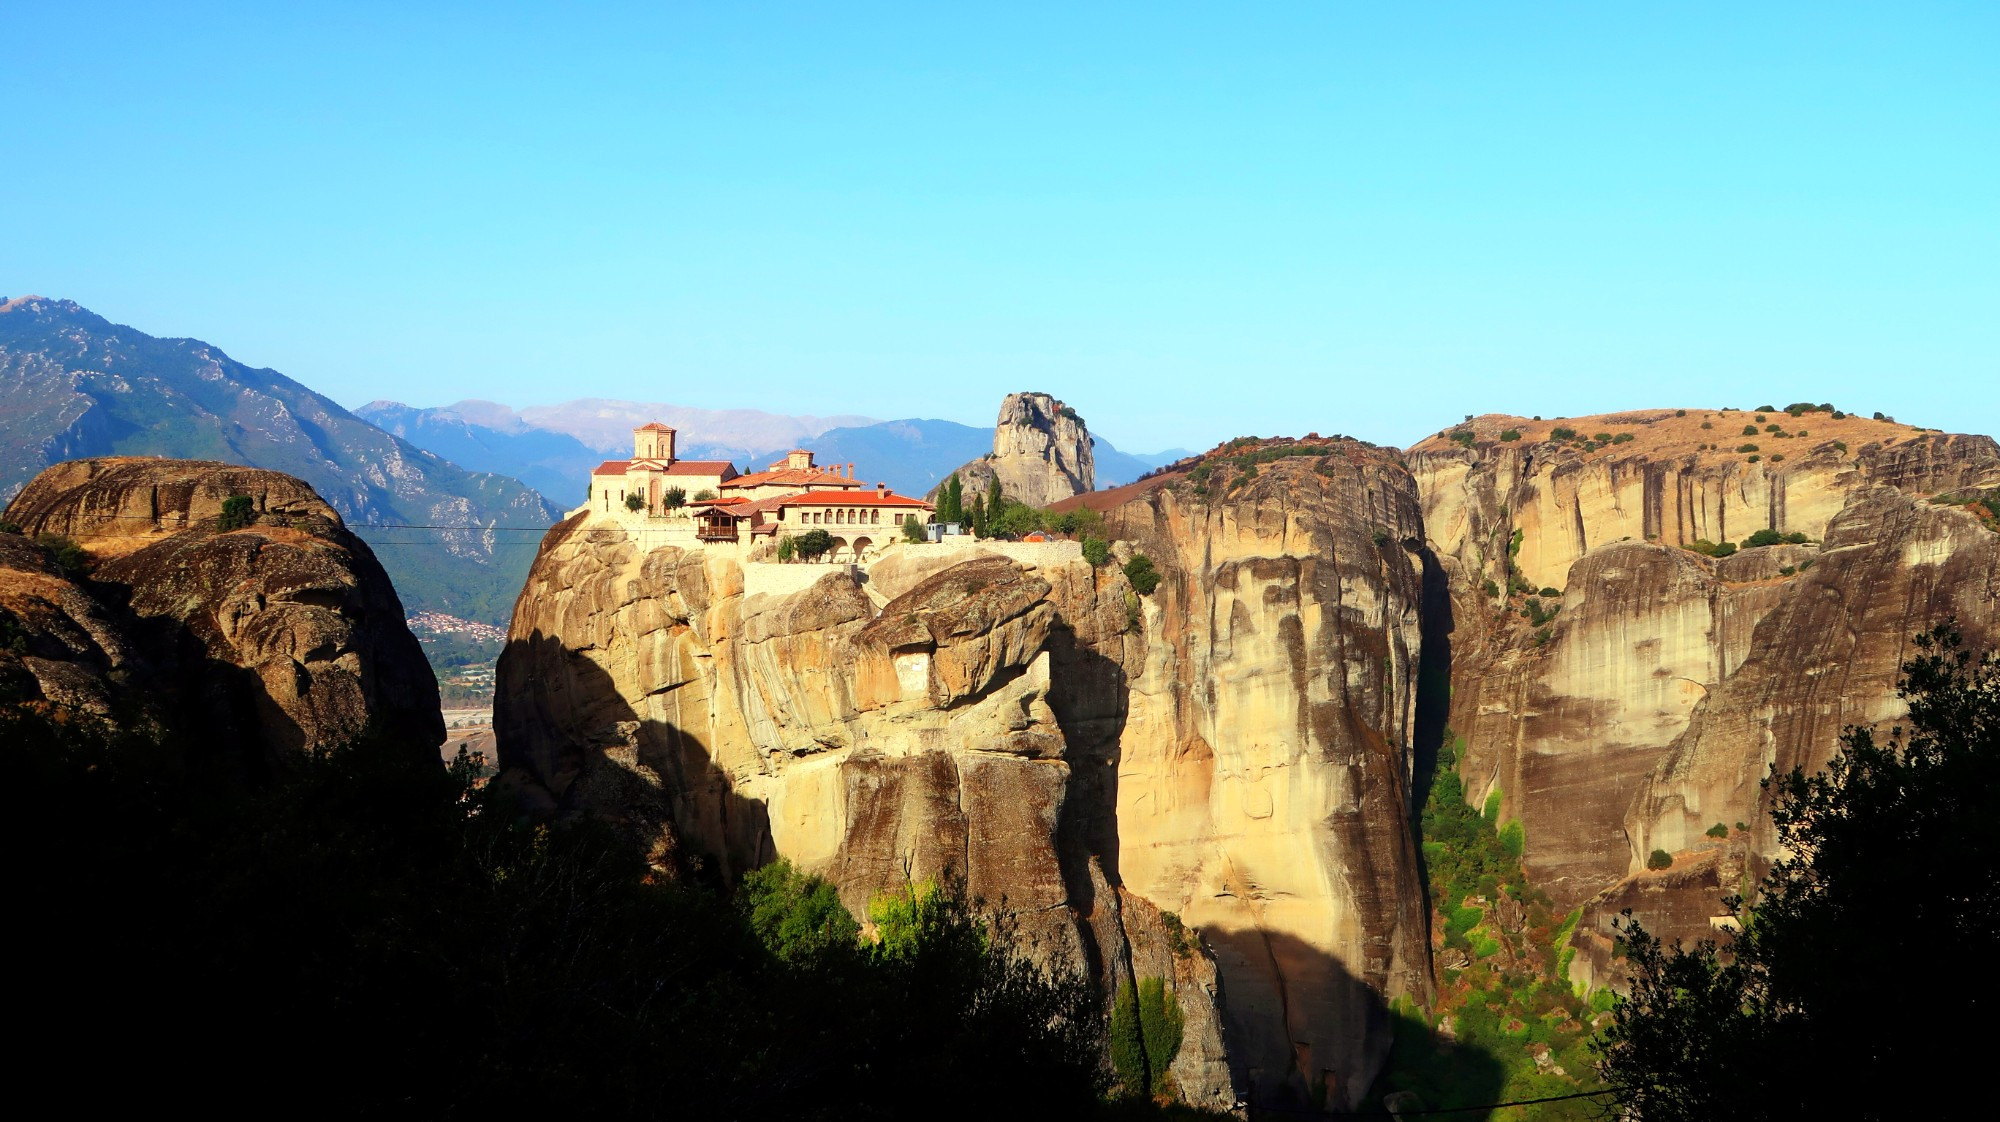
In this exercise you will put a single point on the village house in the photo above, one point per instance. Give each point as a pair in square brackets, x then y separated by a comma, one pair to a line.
[720, 508]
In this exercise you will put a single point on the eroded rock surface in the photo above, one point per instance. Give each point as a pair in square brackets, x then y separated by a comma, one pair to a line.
[1233, 748]
[1645, 715]
[1041, 453]
[284, 633]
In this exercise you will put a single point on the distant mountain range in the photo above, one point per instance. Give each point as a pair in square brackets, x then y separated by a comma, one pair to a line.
[553, 447]
[74, 384]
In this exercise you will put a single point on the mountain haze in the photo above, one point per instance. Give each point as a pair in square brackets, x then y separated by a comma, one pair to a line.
[73, 384]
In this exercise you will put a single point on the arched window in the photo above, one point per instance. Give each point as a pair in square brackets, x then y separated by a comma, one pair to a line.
[874, 516]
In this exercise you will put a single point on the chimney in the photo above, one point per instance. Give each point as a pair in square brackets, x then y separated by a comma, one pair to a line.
[850, 469]
[882, 489]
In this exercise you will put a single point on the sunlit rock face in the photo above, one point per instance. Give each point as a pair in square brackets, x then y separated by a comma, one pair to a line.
[284, 634]
[1669, 684]
[1261, 773]
[1042, 453]
[1233, 747]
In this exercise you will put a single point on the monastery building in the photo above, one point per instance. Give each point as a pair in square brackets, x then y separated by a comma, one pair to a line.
[708, 504]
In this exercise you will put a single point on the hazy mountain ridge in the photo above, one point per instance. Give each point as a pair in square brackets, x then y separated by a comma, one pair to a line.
[553, 447]
[73, 384]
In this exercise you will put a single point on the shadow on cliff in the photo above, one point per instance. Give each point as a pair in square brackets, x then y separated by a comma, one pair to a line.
[1087, 694]
[569, 741]
[1289, 1073]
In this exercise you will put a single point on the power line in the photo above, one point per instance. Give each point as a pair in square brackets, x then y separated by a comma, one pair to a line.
[1308, 1112]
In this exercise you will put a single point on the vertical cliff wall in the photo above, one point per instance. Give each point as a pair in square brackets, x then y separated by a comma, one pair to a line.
[1233, 747]
[1669, 683]
[1262, 773]
[1041, 454]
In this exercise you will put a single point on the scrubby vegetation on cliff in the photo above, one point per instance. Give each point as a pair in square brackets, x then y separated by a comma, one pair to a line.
[1889, 861]
[1507, 1025]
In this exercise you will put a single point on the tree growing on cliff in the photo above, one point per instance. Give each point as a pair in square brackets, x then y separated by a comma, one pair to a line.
[951, 500]
[1891, 863]
[238, 511]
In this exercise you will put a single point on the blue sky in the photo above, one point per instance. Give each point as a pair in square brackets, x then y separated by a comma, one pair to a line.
[1190, 221]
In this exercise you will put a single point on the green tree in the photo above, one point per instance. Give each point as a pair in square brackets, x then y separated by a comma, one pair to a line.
[995, 500]
[951, 500]
[914, 531]
[674, 498]
[1889, 860]
[1141, 573]
[704, 495]
[238, 511]
[70, 559]
[788, 548]
[798, 916]
[980, 523]
[814, 544]
[633, 501]
[1096, 551]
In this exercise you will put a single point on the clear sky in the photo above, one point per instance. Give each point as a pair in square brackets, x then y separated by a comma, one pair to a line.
[1190, 221]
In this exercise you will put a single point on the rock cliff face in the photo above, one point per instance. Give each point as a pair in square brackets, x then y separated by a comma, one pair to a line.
[1041, 453]
[1669, 683]
[284, 634]
[1231, 748]
[1262, 771]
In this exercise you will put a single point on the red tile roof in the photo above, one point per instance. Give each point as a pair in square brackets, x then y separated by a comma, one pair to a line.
[794, 477]
[654, 426]
[823, 498]
[863, 498]
[723, 468]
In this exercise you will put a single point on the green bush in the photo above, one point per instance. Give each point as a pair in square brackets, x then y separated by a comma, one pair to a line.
[798, 917]
[1660, 859]
[1777, 457]
[1491, 589]
[1765, 409]
[1463, 437]
[1146, 1030]
[633, 501]
[674, 498]
[914, 530]
[1510, 436]
[1746, 447]
[69, 558]
[1680, 412]
[704, 495]
[238, 511]
[1141, 573]
[1754, 457]
[787, 549]
[1764, 537]
[1514, 838]
[1562, 432]
[1749, 430]
[7, 527]
[1551, 592]
[1708, 424]
[1718, 831]
[1097, 551]
[814, 544]
[1622, 438]
[1491, 811]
